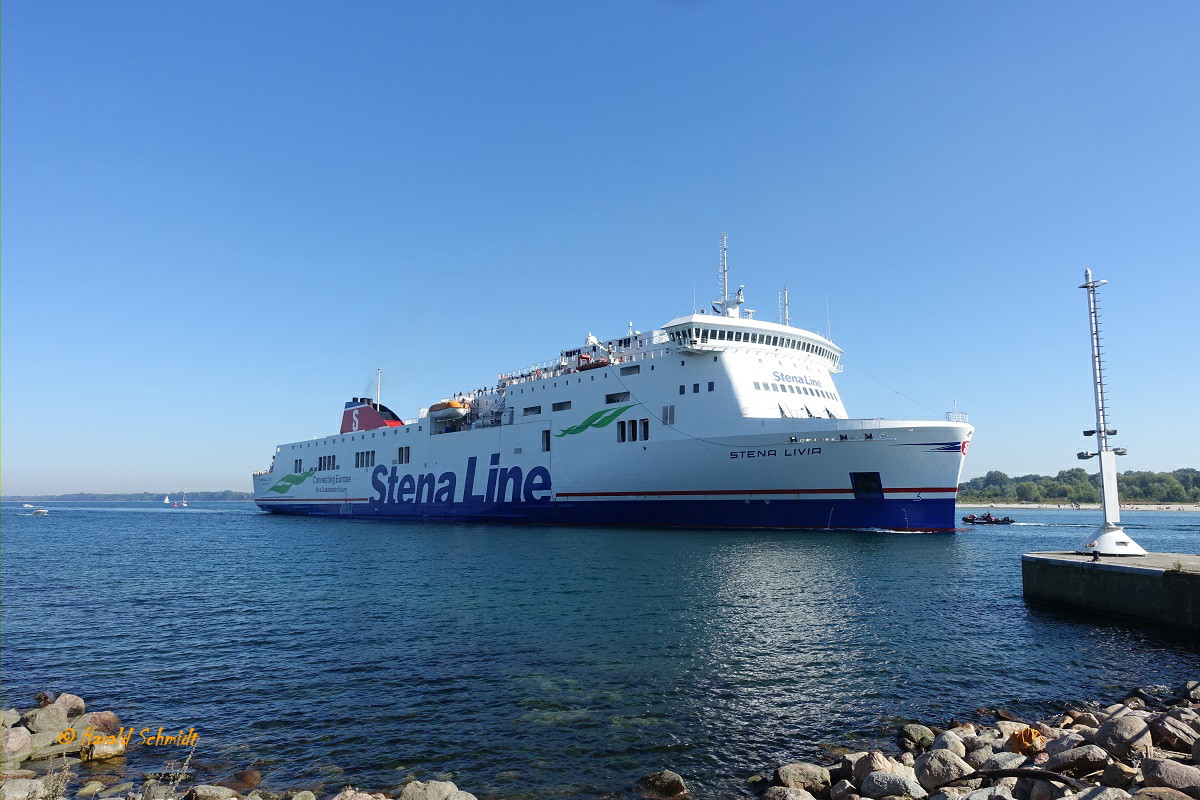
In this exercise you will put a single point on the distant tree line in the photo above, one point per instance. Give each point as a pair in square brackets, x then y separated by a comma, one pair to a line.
[84, 497]
[1076, 486]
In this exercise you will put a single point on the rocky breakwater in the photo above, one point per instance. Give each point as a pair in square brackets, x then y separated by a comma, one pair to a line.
[1144, 747]
[60, 750]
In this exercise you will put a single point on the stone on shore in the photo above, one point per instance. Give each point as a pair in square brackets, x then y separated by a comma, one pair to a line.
[1078, 760]
[50, 719]
[1172, 775]
[22, 789]
[977, 758]
[1099, 793]
[786, 793]
[11, 717]
[17, 744]
[884, 784]
[428, 790]
[90, 788]
[1160, 793]
[1005, 761]
[874, 761]
[938, 766]
[989, 793]
[949, 740]
[1124, 735]
[116, 789]
[1172, 733]
[350, 793]
[104, 721]
[842, 790]
[208, 791]
[666, 783]
[1118, 775]
[912, 736]
[304, 795]
[809, 777]
[106, 749]
[72, 704]
[1064, 743]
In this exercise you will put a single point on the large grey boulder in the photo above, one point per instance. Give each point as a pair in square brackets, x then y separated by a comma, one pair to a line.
[17, 744]
[1118, 775]
[989, 793]
[949, 740]
[72, 704]
[884, 784]
[208, 791]
[1078, 760]
[50, 719]
[304, 795]
[1172, 775]
[22, 789]
[1124, 735]
[938, 766]
[1186, 716]
[1064, 743]
[1005, 761]
[1088, 718]
[1046, 790]
[786, 793]
[666, 783]
[812, 778]
[1100, 793]
[1173, 734]
[977, 758]
[1007, 729]
[846, 768]
[874, 761]
[1160, 793]
[459, 794]
[10, 717]
[428, 790]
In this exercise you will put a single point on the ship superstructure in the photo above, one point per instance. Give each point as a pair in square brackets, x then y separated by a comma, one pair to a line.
[712, 420]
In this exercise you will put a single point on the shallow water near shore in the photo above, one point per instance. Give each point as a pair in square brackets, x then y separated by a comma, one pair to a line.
[545, 662]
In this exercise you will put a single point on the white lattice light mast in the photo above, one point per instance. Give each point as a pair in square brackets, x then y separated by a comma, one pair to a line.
[1110, 538]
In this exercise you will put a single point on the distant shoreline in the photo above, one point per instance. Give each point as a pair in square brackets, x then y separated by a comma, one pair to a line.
[1089, 506]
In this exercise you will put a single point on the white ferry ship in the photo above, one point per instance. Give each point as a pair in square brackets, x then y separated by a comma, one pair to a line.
[714, 420]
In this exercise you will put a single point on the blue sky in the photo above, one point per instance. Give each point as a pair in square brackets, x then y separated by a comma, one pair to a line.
[220, 216]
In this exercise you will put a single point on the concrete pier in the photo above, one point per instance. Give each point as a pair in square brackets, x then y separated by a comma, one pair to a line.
[1157, 587]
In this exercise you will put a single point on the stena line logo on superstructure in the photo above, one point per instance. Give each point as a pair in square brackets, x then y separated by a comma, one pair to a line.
[501, 485]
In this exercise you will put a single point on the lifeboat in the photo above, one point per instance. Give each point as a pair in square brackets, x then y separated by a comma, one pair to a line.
[586, 363]
[449, 409]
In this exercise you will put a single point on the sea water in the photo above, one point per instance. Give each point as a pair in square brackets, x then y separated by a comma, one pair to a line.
[545, 661]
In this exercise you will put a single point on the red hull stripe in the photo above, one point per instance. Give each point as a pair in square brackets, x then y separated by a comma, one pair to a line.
[701, 492]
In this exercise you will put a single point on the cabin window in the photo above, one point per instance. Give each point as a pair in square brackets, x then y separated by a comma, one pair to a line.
[668, 415]
[711, 386]
[775, 387]
[565, 405]
[616, 397]
[404, 455]
[756, 384]
[620, 430]
[299, 462]
[695, 388]
[682, 388]
[704, 334]
[545, 441]
[532, 410]
[634, 370]
[645, 429]
[633, 430]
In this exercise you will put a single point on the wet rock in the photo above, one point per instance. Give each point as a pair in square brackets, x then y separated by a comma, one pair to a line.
[1118, 775]
[117, 789]
[110, 747]
[1124, 735]
[17, 744]
[50, 719]
[938, 766]
[1172, 775]
[670, 784]
[90, 788]
[1172, 733]
[977, 758]
[846, 768]
[458, 794]
[45, 698]
[809, 777]
[913, 735]
[948, 740]
[786, 793]
[104, 721]
[1078, 760]
[304, 795]
[842, 790]
[883, 784]
[261, 794]
[757, 782]
[250, 777]
[428, 790]
[72, 704]
[1064, 743]
[874, 761]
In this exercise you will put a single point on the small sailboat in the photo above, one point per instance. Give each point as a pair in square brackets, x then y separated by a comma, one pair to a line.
[183, 503]
[41, 512]
[166, 499]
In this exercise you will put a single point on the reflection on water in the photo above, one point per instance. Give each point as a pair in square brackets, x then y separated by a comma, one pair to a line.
[547, 661]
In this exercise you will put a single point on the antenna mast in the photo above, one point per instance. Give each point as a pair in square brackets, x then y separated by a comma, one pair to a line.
[1110, 539]
[785, 308]
[378, 386]
[723, 272]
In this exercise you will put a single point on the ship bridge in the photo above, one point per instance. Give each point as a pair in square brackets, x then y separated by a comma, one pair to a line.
[702, 333]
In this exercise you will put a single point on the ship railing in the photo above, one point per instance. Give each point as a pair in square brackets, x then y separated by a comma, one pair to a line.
[263, 472]
[956, 416]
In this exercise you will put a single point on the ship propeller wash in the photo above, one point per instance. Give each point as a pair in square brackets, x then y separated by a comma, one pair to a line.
[714, 420]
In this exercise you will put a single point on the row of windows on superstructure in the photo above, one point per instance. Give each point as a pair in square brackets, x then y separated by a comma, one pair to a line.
[325, 463]
[712, 387]
[751, 337]
[364, 458]
[793, 388]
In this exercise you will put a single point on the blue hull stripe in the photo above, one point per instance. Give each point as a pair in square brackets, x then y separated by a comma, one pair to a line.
[906, 515]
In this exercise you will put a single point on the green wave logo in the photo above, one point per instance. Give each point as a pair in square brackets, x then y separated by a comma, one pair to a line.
[598, 420]
[288, 481]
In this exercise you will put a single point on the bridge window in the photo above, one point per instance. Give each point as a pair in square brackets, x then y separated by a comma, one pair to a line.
[616, 397]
